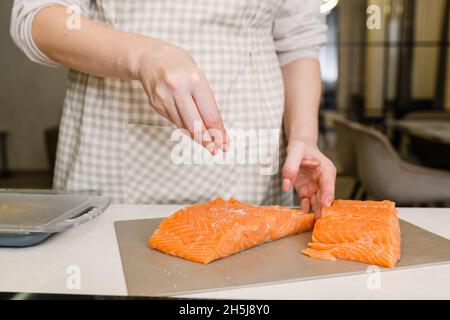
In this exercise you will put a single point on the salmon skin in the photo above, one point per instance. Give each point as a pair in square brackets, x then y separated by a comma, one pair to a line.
[206, 232]
[364, 231]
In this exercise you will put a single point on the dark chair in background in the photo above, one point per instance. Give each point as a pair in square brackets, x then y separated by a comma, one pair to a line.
[346, 153]
[431, 153]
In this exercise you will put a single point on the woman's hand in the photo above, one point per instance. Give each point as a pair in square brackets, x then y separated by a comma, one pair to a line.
[311, 173]
[175, 87]
[178, 91]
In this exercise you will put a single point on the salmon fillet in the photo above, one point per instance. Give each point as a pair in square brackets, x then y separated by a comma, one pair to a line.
[364, 231]
[210, 231]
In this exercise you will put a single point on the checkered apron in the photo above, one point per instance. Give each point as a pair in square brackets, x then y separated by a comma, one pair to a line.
[112, 141]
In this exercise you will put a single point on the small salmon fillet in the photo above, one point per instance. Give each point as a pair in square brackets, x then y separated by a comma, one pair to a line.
[206, 232]
[364, 231]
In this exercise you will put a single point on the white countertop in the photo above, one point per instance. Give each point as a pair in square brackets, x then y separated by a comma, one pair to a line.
[94, 249]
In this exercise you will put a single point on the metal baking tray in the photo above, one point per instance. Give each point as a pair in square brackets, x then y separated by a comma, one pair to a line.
[27, 217]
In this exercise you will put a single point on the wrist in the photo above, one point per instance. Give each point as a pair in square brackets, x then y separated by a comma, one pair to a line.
[138, 53]
[309, 140]
[305, 131]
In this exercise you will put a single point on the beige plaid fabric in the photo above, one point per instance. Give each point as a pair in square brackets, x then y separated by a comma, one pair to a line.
[111, 140]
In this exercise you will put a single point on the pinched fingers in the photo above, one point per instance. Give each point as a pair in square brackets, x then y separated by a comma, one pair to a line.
[209, 112]
[193, 122]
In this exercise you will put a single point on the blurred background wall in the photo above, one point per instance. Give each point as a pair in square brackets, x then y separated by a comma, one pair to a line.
[398, 68]
[31, 98]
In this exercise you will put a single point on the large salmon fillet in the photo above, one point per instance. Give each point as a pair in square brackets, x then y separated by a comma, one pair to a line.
[210, 231]
[364, 231]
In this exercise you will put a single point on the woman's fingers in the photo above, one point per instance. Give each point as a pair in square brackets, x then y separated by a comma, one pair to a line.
[193, 122]
[327, 178]
[174, 75]
[161, 111]
[297, 156]
[305, 204]
[173, 113]
[317, 177]
[207, 107]
[291, 166]
[316, 205]
[327, 182]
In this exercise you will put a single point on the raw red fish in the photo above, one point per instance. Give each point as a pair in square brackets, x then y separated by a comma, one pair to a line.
[210, 231]
[364, 231]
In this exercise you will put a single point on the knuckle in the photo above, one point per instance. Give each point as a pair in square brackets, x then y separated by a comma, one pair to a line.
[331, 165]
[175, 82]
[172, 83]
[216, 134]
[334, 169]
[160, 91]
[288, 171]
[195, 77]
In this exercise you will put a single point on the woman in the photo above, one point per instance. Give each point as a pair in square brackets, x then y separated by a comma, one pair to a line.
[140, 69]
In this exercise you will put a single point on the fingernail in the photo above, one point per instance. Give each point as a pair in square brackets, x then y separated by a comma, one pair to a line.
[217, 143]
[212, 149]
[327, 202]
[286, 185]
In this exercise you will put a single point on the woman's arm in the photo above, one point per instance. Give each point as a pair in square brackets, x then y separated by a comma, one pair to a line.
[175, 86]
[299, 31]
[306, 168]
[93, 48]
[303, 88]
